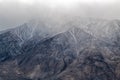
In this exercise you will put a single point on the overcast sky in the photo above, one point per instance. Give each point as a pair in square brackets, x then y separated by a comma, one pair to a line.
[15, 12]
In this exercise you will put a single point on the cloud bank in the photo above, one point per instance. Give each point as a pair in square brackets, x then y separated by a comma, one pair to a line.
[15, 12]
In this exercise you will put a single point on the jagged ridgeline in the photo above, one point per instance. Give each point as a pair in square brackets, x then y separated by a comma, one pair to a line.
[61, 49]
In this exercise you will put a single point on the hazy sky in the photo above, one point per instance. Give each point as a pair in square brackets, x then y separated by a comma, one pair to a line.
[15, 12]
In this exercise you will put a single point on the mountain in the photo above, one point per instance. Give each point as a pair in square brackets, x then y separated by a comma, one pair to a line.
[74, 49]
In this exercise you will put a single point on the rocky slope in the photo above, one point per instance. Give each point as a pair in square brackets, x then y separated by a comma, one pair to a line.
[78, 49]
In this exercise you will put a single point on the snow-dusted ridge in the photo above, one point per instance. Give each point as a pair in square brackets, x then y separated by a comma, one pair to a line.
[97, 27]
[49, 26]
[61, 49]
[46, 27]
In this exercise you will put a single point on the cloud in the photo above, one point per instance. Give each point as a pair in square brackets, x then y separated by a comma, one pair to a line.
[15, 12]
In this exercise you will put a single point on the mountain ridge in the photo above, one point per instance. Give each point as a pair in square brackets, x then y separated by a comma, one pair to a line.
[77, 50]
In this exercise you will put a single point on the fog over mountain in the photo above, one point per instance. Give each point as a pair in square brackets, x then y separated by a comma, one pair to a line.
[16, 12]
[59, 40]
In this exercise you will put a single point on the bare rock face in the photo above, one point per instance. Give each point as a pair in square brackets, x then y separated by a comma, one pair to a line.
[86, 50]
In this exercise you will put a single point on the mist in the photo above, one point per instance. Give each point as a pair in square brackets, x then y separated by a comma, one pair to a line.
[17, 12]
